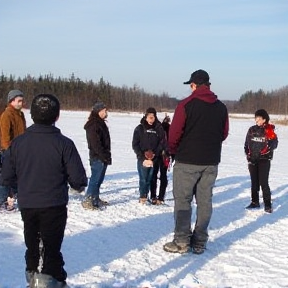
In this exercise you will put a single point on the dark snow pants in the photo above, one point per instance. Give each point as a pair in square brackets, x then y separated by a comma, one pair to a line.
[49, 225]
[259, 174]
[159, 165]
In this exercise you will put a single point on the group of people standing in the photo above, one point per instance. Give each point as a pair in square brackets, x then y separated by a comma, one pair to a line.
[150, 145]
[39, 163]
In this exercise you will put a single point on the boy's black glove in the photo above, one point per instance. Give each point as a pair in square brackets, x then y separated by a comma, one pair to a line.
[172, 157]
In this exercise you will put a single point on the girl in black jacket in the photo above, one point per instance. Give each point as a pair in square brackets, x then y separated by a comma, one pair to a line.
[99, 145]
[148, 143]
[260, 142]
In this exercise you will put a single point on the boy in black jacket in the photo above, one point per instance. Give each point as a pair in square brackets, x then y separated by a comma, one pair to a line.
[44, 161]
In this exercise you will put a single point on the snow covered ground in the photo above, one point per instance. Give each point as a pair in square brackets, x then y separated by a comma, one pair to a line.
[122, 245]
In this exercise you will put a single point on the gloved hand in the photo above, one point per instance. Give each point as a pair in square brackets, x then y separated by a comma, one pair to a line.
[265, 150]
[108, 161]
[172, 157]
[149, 154]
[253, 160]
[73, 191]
[147, 163]
[166, 161]
[269, 131]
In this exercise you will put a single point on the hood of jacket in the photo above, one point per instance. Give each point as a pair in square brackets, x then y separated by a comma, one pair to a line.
[203, 93]
[93, 119]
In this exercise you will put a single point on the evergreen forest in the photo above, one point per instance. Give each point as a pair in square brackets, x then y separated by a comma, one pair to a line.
[75, 94]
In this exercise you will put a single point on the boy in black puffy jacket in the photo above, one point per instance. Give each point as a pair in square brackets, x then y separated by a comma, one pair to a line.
[260, 142]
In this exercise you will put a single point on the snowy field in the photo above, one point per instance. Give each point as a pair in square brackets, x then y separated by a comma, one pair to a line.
[121, 246]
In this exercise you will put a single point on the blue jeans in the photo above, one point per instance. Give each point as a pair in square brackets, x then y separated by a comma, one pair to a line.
[145, 177]
[98, 170]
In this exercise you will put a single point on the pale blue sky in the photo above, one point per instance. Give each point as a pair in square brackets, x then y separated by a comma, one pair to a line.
[155, 44]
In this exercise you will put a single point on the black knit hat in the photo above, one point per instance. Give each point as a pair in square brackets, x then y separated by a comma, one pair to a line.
[98, 106]
[151, 110]
[262, 113]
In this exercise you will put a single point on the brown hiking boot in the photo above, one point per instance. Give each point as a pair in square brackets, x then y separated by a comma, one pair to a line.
[87, 203]
[174, 247]
[154, 201]
[142, 200]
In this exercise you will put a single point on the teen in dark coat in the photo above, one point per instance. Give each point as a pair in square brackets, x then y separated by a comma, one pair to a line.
[260, 142]
[148, 143]
[44, 161]
[161, 165]
[99, 145]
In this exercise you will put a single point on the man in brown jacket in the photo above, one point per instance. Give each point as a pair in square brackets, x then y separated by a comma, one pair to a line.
[12, 124]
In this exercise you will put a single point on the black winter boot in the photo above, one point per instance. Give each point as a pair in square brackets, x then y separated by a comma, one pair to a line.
[29, 275]
[253, 205]
[47, 281]
[268, 208]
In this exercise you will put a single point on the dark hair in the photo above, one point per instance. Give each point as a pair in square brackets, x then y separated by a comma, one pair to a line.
[262, 113]
[151, 110]
[45, 109]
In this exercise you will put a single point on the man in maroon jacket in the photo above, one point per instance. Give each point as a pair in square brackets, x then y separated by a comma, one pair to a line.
[200, 125]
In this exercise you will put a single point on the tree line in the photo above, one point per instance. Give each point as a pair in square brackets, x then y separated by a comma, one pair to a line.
[75, 94]
[275, 102]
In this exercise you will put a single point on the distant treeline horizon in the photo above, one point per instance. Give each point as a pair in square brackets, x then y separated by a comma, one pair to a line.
[75, 94]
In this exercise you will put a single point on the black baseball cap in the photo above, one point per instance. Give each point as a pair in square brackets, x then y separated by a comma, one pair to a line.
[199, 77]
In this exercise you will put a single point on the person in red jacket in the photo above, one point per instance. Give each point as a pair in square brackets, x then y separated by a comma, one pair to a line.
[260, 142]
[198, 128]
